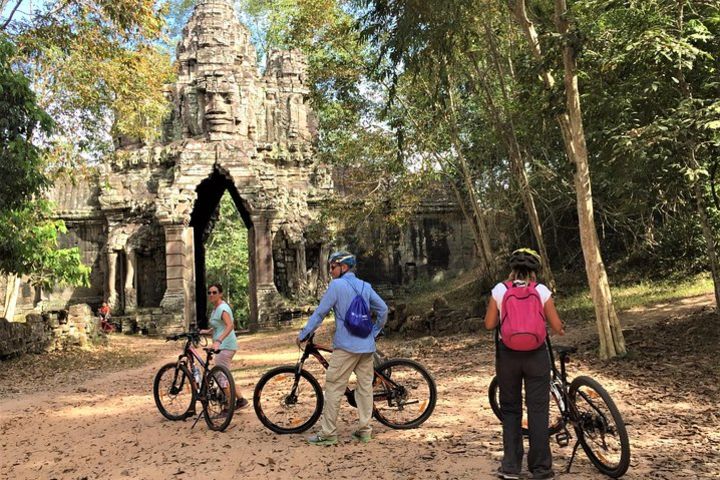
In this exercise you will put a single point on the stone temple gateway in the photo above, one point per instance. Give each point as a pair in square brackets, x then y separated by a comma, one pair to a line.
[144, 218]
[141, 218]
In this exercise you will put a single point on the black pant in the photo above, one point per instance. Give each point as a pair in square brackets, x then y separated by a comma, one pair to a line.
[533, 367]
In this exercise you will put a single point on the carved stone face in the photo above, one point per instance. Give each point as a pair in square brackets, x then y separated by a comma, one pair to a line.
[220, 94]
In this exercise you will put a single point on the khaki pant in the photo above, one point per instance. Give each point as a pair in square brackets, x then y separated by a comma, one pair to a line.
[342, 364]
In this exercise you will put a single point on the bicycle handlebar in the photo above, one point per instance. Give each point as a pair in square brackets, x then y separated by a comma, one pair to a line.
[194, 336]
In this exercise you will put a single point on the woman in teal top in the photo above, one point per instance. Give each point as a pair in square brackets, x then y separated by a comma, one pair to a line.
[222, 328]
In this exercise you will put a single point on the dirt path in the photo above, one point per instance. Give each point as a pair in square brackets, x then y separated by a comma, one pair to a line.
[105, 425]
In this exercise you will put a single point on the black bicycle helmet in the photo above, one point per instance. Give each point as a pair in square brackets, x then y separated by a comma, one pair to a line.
[343, 257]
[525, 259]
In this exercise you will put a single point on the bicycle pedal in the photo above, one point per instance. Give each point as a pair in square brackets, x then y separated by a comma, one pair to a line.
[563, 439]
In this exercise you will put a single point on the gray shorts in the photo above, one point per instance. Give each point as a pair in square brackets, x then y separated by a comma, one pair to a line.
[224, 358]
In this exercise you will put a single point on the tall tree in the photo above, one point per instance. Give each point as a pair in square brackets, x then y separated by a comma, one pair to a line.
[28, 233]
[96, 69]
[465, 58]
[691, 149]
[650, 70]
[612, 342]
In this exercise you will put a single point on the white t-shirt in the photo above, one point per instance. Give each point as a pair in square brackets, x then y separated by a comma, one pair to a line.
[499, 291]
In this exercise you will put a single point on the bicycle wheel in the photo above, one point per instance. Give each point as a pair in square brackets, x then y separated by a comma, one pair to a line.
[219, 404]
[556, 420]
[406, 398]
[173, 391]
[600, 427]
[287, 403]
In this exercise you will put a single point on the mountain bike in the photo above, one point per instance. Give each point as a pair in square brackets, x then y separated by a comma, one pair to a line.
[289, 399]
[178, 385]
[586, 406]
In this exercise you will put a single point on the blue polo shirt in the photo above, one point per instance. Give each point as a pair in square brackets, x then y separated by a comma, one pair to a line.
[338, 297]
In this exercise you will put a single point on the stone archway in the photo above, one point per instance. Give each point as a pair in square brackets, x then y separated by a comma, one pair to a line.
[209, 192]
[231, 128]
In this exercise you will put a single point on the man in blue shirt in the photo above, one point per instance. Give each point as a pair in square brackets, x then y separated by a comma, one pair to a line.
[350, 353]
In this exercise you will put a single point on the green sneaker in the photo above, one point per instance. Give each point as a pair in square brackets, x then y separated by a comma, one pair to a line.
[363, 437]
[317, 439]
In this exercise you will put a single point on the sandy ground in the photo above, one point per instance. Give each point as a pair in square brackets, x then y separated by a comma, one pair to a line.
[105, 425]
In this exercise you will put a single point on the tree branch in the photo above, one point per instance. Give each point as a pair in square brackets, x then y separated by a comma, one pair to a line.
[12, 13]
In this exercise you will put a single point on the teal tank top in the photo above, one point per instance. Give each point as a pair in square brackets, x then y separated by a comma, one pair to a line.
[218, 326]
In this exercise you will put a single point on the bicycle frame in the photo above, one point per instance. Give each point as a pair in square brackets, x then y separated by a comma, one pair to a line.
[559, 388]
[313, 349]
[189, 356]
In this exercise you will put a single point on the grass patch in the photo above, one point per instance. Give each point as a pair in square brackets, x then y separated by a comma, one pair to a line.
[579, 304]
[461, 290]
[457, 290]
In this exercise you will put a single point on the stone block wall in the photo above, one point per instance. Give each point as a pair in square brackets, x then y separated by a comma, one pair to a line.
[32, 336]
[75, 327]
[435, 241]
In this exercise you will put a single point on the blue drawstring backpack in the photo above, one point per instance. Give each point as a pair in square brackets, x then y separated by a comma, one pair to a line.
[357, 317]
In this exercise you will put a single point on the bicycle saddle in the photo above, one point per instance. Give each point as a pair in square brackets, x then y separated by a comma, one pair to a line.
[561, 349]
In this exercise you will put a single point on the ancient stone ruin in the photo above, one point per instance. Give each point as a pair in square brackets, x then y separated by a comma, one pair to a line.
[142, 217]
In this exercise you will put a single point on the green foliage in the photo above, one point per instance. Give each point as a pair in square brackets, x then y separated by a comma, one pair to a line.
[226, 259]
[20, 120]
[355, 136]
[29, 246]
[650, 78]
[96, 70]
[28, 234]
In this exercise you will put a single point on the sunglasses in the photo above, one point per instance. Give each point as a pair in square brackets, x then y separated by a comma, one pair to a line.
[213, 292]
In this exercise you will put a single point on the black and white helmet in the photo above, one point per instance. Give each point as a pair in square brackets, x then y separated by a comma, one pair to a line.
[525, 259]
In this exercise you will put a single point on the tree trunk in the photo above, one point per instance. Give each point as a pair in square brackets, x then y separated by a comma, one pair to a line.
[475, 227]
[485, 243]
[708, 234]
[11, 294]
[473, 215]
[612, 342]
[529, 202]
[610, 334]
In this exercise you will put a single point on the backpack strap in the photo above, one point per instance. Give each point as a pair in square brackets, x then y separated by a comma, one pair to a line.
[355, 289]
[508, 285]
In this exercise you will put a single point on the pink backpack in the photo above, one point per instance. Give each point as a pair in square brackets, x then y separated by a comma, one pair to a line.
[522, 325]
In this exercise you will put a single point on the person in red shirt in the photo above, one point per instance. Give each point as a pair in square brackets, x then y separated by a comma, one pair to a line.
[104, 314]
